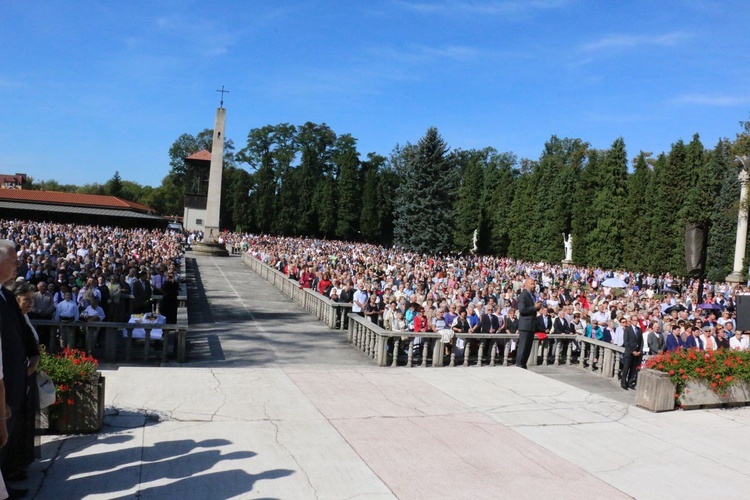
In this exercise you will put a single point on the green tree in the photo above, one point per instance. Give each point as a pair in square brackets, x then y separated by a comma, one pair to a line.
[93, 188]
[560, 166]
[315, 145]
[723, 215]
[425, 198]
[471, 164]
[522, 244]
[583, 220]
[349, 177]
[637, 213]
[497, 198]
[659, 244]
[605, 241]
[269, 153]
[114, 185]
[378, 188]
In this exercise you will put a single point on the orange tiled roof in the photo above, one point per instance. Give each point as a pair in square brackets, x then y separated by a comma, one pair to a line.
[203, 155]
[75, 199]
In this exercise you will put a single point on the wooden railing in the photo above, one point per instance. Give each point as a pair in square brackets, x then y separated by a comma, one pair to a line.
[117, 346]
[334, 314]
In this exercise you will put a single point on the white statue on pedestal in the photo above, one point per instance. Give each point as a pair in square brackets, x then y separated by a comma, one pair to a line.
[568, 247]
[474, 241]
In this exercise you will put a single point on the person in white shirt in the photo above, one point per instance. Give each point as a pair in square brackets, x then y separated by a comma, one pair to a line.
[739, 342]
[360, 299]
[93, 312]
[618, 335]
[602, 315]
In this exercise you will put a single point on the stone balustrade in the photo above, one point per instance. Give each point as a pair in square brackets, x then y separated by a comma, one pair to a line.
[602, 358]
[334, 314]
[480, 349]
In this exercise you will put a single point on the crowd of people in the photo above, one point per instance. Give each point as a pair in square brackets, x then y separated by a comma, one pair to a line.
[409, 292]
[68, 273]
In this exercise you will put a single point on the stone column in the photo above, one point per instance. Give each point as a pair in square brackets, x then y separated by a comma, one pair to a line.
[213, 203]
[739, 246]
[210, 244]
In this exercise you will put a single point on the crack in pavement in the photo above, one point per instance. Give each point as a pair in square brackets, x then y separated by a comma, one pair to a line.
[51, 464]
[289, 452]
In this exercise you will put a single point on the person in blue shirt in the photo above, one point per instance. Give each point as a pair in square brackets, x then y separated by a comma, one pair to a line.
[67, 312]
[594, 331]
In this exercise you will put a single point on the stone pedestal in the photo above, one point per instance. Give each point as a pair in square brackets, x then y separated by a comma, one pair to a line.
[567, 263]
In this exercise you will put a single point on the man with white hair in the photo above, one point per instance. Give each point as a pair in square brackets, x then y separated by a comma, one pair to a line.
[15, 350]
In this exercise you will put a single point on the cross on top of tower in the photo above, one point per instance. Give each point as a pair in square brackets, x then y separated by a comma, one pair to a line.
[221, 105]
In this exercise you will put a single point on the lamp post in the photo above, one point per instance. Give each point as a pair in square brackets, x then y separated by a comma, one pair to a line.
[739, 246]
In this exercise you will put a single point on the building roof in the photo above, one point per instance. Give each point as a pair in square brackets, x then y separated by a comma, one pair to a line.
[73, 199]
[87, 210]
[202, 155]
[15, 179]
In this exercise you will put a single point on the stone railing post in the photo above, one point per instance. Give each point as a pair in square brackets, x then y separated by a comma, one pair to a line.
[437, 353]
[396, 345]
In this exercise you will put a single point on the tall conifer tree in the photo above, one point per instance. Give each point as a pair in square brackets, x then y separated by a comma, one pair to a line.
[424, 209]
[605, 240]
[637, 214]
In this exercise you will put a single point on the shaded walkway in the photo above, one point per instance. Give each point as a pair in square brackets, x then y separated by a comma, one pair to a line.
[237, 318]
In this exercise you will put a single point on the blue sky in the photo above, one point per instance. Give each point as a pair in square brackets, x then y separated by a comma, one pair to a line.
[87, 88]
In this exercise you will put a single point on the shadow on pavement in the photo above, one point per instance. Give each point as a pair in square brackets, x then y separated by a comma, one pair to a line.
[199, 311]
[107, 466]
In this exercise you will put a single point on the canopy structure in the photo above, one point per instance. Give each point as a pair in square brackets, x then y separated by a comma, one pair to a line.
[77, 208]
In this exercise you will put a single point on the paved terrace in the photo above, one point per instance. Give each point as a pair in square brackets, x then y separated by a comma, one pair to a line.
[274, 405]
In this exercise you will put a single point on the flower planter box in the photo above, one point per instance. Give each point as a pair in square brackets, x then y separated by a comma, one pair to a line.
[699, 394]
[654, 391]
[85, 415]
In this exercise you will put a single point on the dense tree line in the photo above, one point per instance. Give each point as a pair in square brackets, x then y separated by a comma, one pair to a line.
[307, 180]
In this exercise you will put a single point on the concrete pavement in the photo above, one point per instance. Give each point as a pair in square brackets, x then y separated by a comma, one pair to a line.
[274, 405]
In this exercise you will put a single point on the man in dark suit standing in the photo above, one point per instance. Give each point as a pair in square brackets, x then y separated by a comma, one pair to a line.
[489, 323]
[527, 310]
[142, 294]
[633, 344]
[560, 327]
[16, 348]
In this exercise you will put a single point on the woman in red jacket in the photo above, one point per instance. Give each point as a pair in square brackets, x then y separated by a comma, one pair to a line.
[324, 285]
